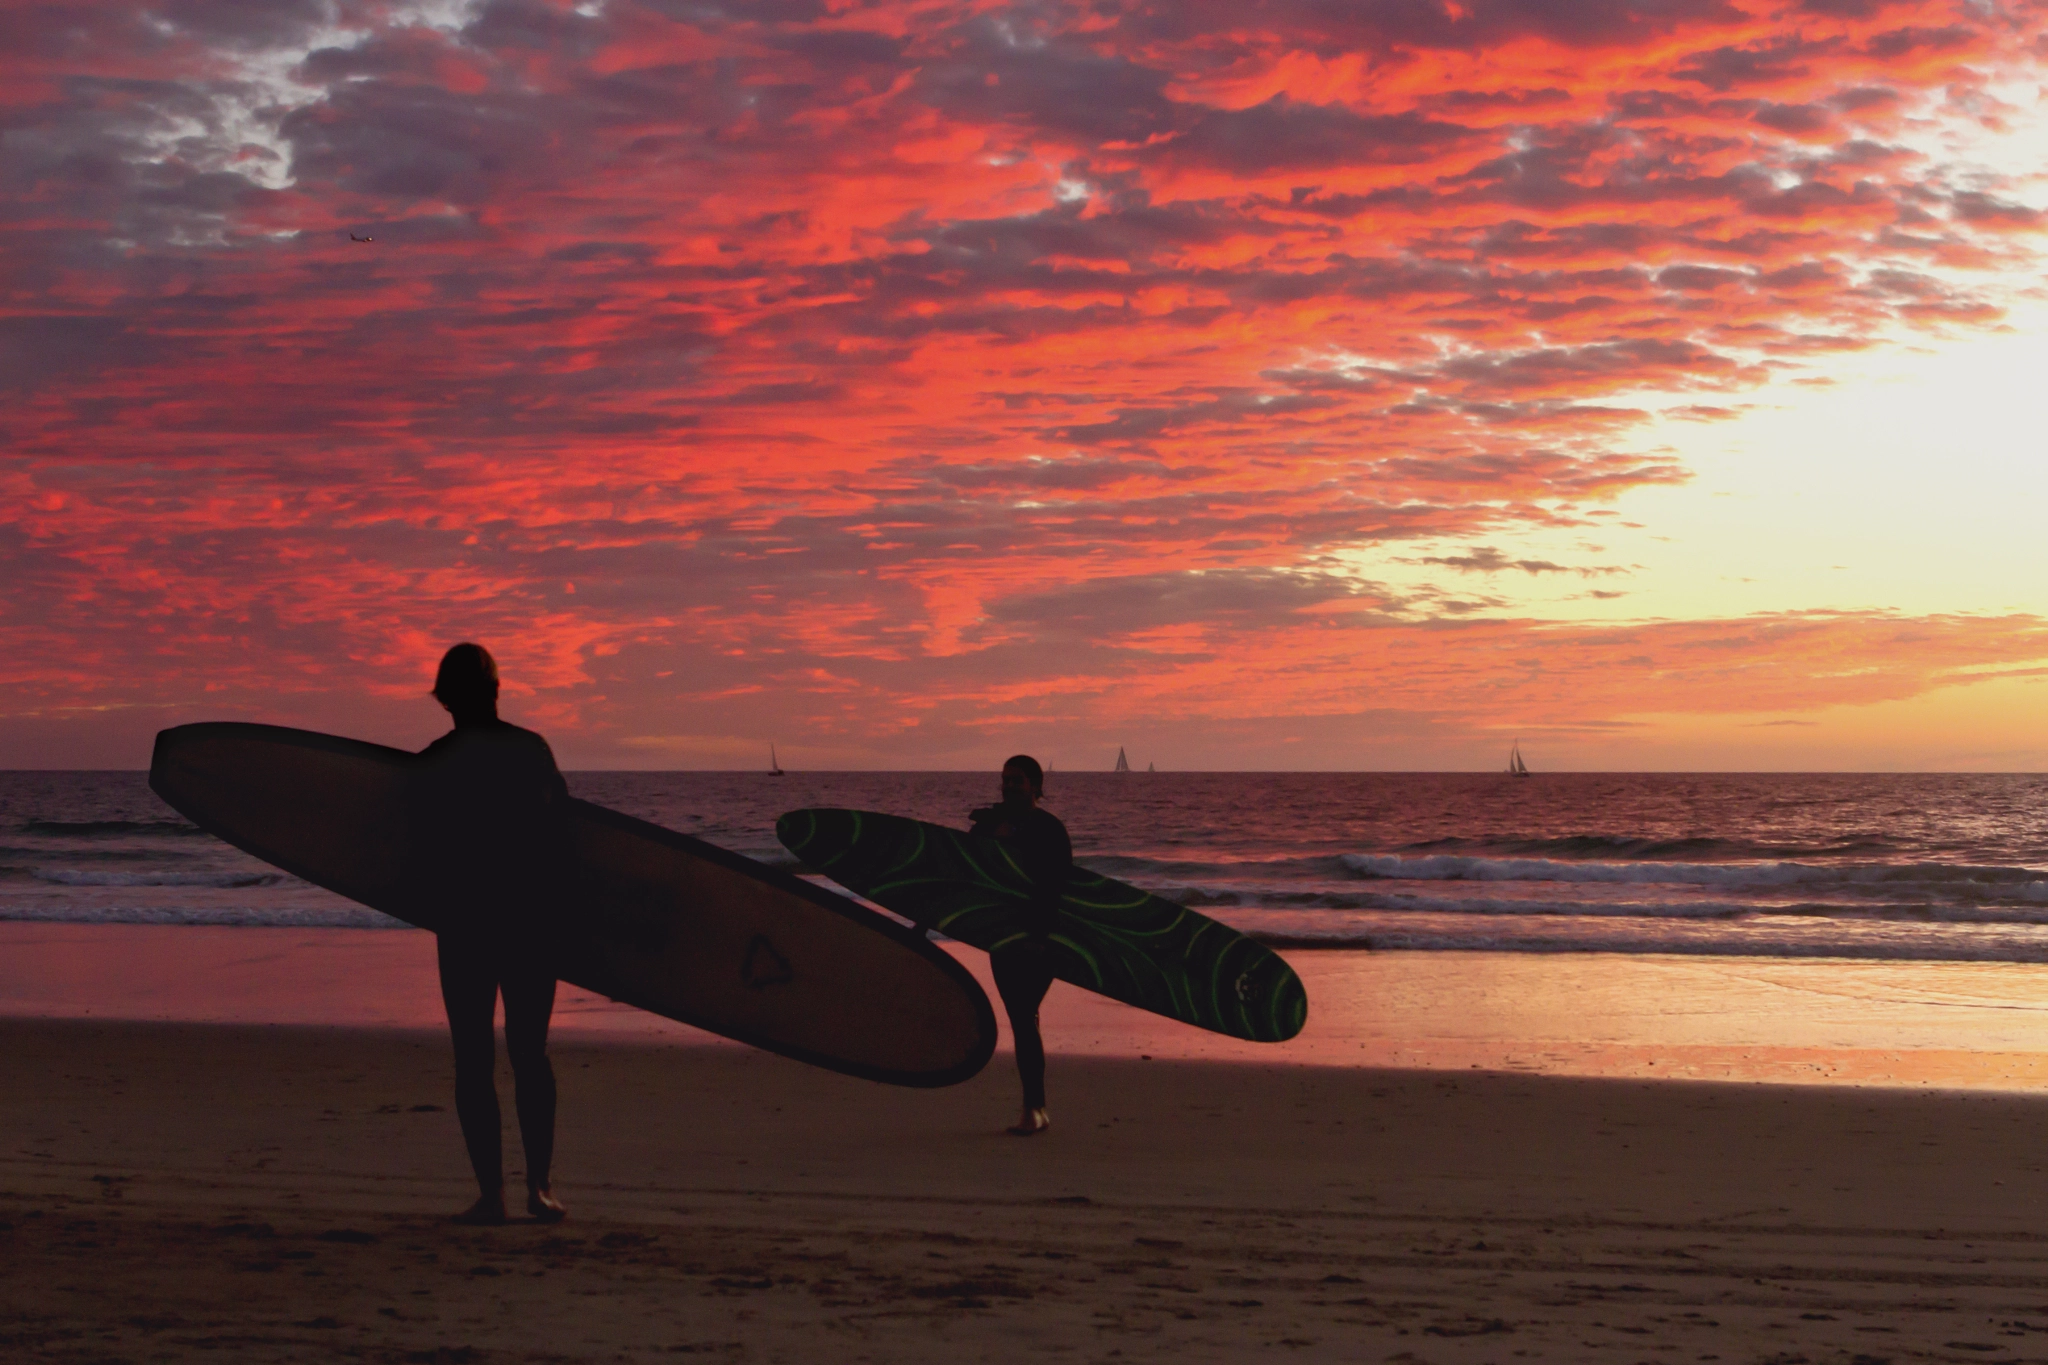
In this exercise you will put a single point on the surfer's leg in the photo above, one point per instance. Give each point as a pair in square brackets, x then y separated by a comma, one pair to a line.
[1023, 976]
[469, 991]
[529, 1004]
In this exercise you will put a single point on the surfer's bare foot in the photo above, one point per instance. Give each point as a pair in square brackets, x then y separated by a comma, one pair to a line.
[544, 1207]
[1032, 1124]
[487, 1212]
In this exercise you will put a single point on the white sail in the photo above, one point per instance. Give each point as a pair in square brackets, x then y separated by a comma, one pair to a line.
[774, 766]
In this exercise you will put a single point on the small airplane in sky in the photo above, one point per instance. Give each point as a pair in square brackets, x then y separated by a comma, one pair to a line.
[353, 238]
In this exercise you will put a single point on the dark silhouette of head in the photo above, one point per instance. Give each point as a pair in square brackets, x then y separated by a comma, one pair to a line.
[467, 683]
[1023, 779]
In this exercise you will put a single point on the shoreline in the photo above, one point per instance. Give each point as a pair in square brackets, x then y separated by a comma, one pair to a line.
[1792, 1020]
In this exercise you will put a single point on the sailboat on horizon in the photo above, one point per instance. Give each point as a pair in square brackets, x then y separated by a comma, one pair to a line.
[1123, 765]
[774, 767]
[1516, 767]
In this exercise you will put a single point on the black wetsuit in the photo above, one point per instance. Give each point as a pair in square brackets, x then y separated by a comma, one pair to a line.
[1023, 969]
[492, 820]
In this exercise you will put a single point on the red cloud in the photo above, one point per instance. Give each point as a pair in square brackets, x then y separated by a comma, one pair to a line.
[890, 336]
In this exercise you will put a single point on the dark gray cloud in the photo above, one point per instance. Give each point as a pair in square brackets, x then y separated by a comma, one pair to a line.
[842, 343]
[1488, 559]
[1334, 25]
[1221, 599]
[1006, 68]
[1735, 68]
[1286, 136]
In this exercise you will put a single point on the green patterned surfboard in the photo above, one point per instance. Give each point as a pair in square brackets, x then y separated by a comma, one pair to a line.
[1112, 938]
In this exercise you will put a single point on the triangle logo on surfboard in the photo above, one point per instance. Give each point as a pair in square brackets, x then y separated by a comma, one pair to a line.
[763, 966]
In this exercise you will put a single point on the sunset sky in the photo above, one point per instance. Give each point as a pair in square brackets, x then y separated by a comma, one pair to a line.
[1328, 384]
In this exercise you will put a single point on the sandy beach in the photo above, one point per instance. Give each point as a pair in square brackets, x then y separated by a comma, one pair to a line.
[276, 1191]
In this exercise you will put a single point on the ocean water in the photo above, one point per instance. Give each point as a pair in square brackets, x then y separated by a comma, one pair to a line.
[1931, 867]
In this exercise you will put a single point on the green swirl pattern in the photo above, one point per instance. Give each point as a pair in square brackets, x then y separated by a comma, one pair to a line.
[1110, 937]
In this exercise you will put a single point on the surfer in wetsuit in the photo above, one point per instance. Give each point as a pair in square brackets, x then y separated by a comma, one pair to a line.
[492, 820]
[1023, 966]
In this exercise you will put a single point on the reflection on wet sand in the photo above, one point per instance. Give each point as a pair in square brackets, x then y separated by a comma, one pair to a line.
[1947, 1024]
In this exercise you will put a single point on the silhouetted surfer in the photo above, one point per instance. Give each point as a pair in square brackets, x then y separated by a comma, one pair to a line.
[1023, 966]
[491, 819]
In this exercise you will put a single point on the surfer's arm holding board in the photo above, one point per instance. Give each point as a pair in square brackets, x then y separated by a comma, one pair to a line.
[495, 811]
[494, 787]
[1023, 967]
[1039, 842]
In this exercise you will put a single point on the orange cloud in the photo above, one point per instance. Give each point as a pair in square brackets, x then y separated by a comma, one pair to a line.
[936, 352]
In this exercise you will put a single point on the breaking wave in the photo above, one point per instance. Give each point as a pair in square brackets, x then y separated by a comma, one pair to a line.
[110, 829]
[340, 915]
[2019, 883]
[92, 876]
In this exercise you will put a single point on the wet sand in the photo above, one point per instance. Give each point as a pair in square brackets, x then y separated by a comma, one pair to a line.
[269, 1192]
[1973, 1025]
